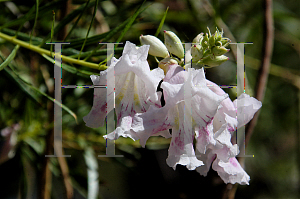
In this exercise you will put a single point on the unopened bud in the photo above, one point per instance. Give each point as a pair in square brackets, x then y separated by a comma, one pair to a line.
[218, 60]
[198, 39]
[157, 48]
[211, 40]
[197, 52]
[174, 44]
[219, 50]
[225, 41]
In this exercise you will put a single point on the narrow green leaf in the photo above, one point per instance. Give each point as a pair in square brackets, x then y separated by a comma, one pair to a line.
[9, 58]
[109, 35]
[44, 94]
[35, 20]
[25, 19]
[77, 20]
[22, 36]
[69, 51]
[72, 69]
[44, 9]
[91, 40]
[132, 19]
[70, 17]
[96, 53]
[161, 22]
[22, 86]
[50, 98]
[126, 25]
[87, 34]
[52, 31]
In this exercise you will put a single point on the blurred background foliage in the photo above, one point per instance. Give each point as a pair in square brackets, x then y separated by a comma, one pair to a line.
[26, 115]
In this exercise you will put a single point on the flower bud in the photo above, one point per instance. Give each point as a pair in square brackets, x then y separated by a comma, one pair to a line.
[211, 40]
[218, 60]
[198, 39]
[174, 44]
[225, 41]
[197, 52]
[157, 48]
[205, 41]
[164, 64]
[218, 36]
[219, 50]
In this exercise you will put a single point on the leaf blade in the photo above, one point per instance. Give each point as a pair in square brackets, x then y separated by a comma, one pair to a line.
[161, 22]
[9, 58]
[44, 94]
[71, 69]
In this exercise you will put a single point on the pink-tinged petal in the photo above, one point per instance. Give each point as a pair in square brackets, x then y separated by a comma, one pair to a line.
[135, 90]
[96, 116]
[246, 108]
[203, 106]
[204, 137]
[207, 159]
[231, 171]
[142, 71]
[175, 74]
[231, 123]
[124, 130]
[202, 103]
[181, 150]
[227, 150]
[166, 134]
[151, 123]
[227, 107]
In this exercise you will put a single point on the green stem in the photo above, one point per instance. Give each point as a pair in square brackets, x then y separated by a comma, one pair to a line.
[47, 52]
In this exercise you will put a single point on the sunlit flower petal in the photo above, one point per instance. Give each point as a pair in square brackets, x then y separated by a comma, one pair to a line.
[204, 105]
[135, 90]
[215, 141]
[246, 108]
[231, 171]
[207, 159]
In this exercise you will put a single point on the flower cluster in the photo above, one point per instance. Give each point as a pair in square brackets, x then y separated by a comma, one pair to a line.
[210, 49]
[196, 110]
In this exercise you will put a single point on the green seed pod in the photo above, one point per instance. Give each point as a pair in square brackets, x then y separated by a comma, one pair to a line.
[205, 39]
[225, 41]
[197, 52]
[218, 36]
[211, 40]
[219, 50]
[173, 44]
[157, 48]
[218, 60]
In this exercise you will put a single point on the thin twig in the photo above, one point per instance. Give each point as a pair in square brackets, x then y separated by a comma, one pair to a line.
[42, 51]
[265, 65]
[46, 175]
[66, 177]
[61, 35]
[268, 39]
